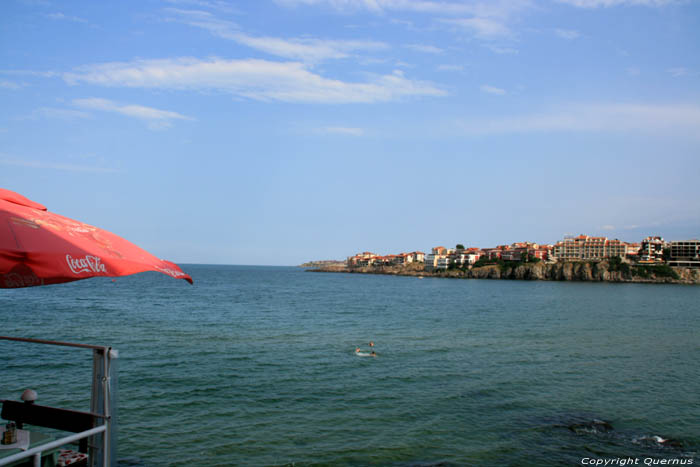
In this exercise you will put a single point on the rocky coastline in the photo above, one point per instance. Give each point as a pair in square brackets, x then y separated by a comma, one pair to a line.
[583, 271]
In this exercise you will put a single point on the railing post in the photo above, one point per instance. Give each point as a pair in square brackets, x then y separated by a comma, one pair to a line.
[113, 372]
[103, 447]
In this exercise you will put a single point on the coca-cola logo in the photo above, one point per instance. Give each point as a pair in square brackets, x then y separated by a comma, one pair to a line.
[86, 264]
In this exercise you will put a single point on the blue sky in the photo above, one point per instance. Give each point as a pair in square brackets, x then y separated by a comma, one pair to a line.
[279, 131]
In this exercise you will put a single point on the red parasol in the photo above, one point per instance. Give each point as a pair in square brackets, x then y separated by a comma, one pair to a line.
[38, 247]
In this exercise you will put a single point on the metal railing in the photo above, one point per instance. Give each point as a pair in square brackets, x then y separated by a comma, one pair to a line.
[102, 402]
[37, 451]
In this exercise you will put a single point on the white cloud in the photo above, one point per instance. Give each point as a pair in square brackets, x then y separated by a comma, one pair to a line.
[487, 20]
[485, 28]
[63, 114]
[612, 3]
[502, 50]
[472, 7]
[568, 34]
[680, 72]
[340, 130]
[9, 85]
[450, 68]
[41, 74]
[304, 49]
[492, 90]
[255, 79]
[428, 49]
[684, 119]
[16, 162]
[62, 17]
[219, 5]
[155, 118]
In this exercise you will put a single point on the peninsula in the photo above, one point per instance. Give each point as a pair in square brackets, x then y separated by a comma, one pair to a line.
[580, 258]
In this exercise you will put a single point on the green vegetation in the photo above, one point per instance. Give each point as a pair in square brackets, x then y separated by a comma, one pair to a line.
[504, 265]
[644, 271]
[647, 271]
[484, 261]
[615, 263]
[460, 246]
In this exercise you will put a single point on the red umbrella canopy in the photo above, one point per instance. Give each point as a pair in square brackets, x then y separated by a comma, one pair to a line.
[38, 247]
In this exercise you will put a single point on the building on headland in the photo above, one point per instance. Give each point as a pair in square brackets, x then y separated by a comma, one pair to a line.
[437, 259]
[651, 250]
[370, 259]
[585, 247]
[361, 259]
[467, 257]
[685, 253]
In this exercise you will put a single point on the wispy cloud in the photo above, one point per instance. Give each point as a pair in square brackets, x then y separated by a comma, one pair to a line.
[492, 90]
[502, 50]
[612, 3]
[254, 79]
[680, 72]
[450, 68]
[683, 119]
[34, 164]
[218, 5]
[341, 130]
[677, 72]
[428, 49]
[485, 19]
[568, 34]
[62, 17]
[40, 74]
[485, 28]
[10, 85]
[304, 49]
[62, 114]
[450, 8]
[156, 119]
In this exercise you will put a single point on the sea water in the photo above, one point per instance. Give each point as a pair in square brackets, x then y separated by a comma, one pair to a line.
[256, 366]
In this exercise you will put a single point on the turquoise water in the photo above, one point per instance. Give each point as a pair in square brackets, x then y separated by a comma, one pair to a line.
[255, 366]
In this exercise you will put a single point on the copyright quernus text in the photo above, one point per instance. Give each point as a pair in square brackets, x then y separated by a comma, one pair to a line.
[623, 461]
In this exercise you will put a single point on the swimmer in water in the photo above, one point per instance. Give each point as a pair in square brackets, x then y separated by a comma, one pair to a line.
[371, 343]
[357, 350]
[373, 354]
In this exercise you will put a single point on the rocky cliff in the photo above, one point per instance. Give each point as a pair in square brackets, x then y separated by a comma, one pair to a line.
[569, 271]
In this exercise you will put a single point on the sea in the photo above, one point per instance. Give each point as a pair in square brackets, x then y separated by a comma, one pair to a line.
[257, 366]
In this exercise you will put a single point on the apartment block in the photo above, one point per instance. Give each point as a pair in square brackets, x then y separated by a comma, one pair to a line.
[585, 247]
[685, 253]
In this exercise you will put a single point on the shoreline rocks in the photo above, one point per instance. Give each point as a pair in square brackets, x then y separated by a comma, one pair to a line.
[565, 271]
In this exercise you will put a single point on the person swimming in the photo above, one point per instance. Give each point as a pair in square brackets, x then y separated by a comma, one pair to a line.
[360, 353]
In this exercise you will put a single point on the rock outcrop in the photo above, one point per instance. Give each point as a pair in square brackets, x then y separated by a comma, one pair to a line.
[601, 271]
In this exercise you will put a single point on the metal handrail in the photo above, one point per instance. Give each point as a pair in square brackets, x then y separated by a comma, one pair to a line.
[36, 451]
[65, 344]
[101, 398]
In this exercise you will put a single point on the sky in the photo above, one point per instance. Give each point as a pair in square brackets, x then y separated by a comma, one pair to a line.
[274, 132]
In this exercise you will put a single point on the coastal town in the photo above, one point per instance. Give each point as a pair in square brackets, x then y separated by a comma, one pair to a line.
[650, 251]
[578, 258]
